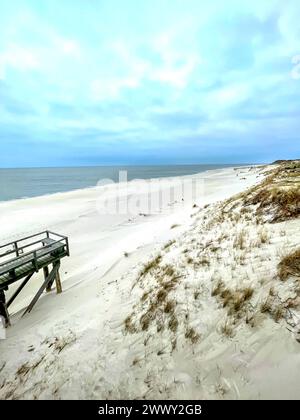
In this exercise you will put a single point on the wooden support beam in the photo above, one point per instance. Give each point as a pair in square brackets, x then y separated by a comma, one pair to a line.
[3, 309]
[58, 282]
[46, 274]
[13, 297]
[47, 281]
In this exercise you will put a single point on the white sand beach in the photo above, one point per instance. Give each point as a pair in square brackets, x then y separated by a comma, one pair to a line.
[75, 345]
[98, 241]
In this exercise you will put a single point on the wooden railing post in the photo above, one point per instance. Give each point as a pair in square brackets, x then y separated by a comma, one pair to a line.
[35, 261]
[16, 249]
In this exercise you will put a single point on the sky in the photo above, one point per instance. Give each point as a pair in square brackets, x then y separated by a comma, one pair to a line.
[108, 82]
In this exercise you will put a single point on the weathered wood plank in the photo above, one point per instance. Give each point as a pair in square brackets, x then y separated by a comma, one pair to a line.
[58, 282]
[48, 280]
[3, 309]
[46, 274]
[16, 263]
[6, 279]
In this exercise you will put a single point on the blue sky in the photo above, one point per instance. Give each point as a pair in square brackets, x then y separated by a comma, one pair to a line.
[88, 82]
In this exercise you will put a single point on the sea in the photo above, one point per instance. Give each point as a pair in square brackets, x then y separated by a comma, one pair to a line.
[33, 182]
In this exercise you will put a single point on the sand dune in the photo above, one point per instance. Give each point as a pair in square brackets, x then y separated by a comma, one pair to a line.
[159, 305]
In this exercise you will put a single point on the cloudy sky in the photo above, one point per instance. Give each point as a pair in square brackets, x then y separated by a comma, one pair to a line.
[87, 82]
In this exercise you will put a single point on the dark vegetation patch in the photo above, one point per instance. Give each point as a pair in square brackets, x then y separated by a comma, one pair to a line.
[234, 301]
[282, 202]
[151, 265]
[192, 335]
[290, 265]
[158, 307]
[276, 198]
[279, 194]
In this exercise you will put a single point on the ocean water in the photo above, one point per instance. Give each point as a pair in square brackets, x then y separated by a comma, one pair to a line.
[33, 182]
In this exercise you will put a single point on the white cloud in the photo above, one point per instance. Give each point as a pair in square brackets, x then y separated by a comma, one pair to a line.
[228, 96]
[19, 58]
[173, 75]
[110, 88]
[178, 63]
[69, 47]
[296, 69]
[288, 24]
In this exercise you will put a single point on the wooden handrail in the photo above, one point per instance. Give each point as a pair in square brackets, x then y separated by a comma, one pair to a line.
[45, 232]
[56, 234]
[33, 254]
[21, 248]
[24, 239]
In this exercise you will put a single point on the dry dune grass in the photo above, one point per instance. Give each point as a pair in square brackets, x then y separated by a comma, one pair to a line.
[290, 265]
[282, 201]
[148, 267]
[279, 193]
[156, 301]
[192, 335]
[277, 197]
[235, 300]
